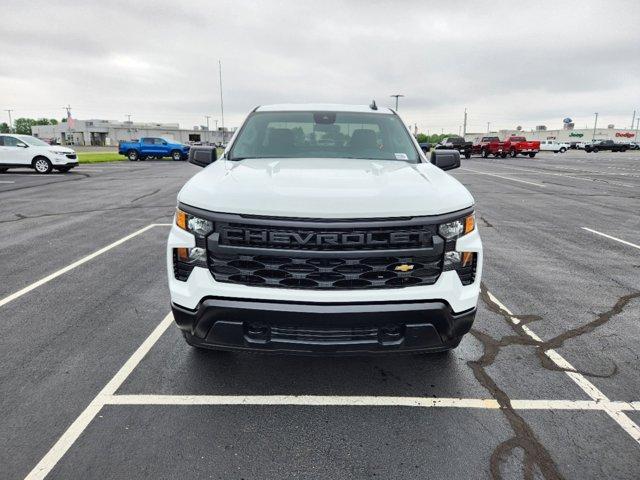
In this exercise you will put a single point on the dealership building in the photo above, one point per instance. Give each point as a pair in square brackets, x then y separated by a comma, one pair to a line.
[566, 135]
[104, 133]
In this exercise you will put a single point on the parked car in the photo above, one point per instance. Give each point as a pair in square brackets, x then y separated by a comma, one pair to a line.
[517, 145]
[553, 146]
[610, 145]
[153, 147]
[355, 247]
[425, 146]
[25, 151]
[634, 145]
[456, 143]
[489, 145]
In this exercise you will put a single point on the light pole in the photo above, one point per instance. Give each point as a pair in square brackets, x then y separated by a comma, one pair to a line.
[128, 115]
[595, 124]
[221, 102]
[207, 118]
[637, 124]
[396, 96]
[464, 125]
[10, 121]
[488, 123]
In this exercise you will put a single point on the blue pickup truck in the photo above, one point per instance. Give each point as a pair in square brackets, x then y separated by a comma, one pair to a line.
[153, 147]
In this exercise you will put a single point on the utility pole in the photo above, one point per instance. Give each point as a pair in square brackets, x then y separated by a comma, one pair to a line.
[221, 102]
[207, 117]
[68, 109]
[459, 129]
[216, 124]
[595, 124]
[397, 95]
[637, 124]
[464, 125]
[488, 123]
[9, 110]
[633, 119]
[128, 115]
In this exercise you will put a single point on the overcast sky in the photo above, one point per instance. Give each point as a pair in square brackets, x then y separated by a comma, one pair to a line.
[510, 63]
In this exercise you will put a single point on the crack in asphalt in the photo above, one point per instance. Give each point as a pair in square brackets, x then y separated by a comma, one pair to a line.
[145, 195]
[97, 210]
[486, 222]
[535, 454]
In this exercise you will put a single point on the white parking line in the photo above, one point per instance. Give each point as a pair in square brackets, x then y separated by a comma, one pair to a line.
[72, 433]
[368, 401]
[5, 181]
[500, 176]
[587, 387]
[75, 264]
[612, 238]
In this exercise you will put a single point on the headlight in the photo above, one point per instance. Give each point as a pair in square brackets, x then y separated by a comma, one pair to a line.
[458, 228]
[57, 152]
[192, 224]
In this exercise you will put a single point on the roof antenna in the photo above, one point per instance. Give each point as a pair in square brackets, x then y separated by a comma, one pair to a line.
[373, 105]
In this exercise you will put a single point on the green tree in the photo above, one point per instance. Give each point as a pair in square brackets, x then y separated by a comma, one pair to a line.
[53, 121]
[4, 127]
[422, 138]
[23, 125]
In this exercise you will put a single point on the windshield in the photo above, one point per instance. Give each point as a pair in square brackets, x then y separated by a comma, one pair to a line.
[324, 135]
[33, 141]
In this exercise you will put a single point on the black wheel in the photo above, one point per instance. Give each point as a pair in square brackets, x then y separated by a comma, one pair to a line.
[531, 155]
[63, 169]
[513, 153]
[176, 155]
[143, 158]
[132, 155]
[3, 170]
[467, 155]
[42, 165]
[562, 150]
[503, 155]
[594, 150]
[485, 153]
[158, 157]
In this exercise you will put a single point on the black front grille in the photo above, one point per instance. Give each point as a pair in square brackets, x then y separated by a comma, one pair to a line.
[72, 156]
[332, 272]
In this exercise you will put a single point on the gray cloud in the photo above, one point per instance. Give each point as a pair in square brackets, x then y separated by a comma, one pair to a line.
[507, 62]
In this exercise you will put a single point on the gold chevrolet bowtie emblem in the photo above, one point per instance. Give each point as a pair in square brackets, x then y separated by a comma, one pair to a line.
[403, 268]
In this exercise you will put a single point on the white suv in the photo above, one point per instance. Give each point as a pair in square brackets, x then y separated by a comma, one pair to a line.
[324, 228]
[20, 151]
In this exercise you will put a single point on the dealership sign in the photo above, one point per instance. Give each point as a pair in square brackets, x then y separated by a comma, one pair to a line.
[575, 134]
[625, 134]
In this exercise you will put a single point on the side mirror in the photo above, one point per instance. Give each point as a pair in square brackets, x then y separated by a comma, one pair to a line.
[446, 159]
[22, 145]
[203, 156]
[164, 143]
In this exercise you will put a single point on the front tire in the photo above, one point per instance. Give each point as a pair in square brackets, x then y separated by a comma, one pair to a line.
[176, 156]
[562, 150]
[485, 153]
[3, 170]
[513, 153]
[42, 165]
[467, 155]
[503, 155]
[594, 150]
[132, 155]
[532, 155]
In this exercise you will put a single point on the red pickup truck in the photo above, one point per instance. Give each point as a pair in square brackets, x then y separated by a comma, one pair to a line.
[520, 145]
[486, 146]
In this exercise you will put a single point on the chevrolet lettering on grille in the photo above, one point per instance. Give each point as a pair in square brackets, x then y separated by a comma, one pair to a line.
[319, 239]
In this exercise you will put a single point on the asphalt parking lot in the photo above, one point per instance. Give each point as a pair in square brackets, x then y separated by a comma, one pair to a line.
[97, 382]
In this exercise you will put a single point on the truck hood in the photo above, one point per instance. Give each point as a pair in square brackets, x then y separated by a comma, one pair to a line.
[325, 188]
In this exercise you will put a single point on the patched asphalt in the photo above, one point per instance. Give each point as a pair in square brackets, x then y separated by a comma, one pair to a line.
[63, 341]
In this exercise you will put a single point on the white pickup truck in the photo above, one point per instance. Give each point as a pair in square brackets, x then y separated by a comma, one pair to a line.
[553, 146]
[324, 229]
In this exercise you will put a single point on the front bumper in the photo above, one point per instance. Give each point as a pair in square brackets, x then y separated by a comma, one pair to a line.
[307, 328]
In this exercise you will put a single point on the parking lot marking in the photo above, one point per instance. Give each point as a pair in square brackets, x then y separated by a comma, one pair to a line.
[75, 264]
[587, 387]
[368, 401]
[612, 238]
[6, 181]
[500, 176]
[68, 438]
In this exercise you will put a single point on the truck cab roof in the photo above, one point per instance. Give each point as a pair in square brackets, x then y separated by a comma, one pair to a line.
[322, 107]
